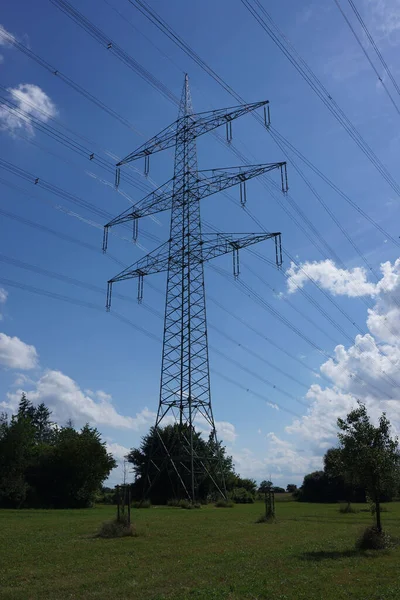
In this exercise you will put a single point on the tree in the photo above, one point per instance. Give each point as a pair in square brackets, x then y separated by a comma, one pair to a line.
[45, 466]
[368, 456]
[166, 484]
[291, 488]
[265, 486]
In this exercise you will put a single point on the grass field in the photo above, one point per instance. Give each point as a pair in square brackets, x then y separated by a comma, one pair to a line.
[207, 554]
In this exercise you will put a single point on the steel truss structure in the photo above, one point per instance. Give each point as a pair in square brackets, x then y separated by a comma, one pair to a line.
[185, 380]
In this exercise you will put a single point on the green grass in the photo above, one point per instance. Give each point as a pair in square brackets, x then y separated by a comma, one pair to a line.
[207, 554]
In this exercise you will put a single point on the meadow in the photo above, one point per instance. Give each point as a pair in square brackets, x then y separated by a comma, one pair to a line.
[207, 554]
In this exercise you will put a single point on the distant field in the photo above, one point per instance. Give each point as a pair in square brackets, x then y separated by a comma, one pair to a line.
[207, 554]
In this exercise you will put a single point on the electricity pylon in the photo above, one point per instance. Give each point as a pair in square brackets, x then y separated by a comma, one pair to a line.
[185, 380]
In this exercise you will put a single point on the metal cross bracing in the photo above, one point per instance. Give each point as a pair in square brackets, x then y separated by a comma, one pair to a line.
[185, 380]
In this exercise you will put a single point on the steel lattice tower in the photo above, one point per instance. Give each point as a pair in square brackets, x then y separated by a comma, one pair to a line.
[185, 379]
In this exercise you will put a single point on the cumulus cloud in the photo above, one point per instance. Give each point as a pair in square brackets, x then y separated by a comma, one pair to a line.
[31, 102]
[367, 370]
[226, 431]
[353, 282]
[67, 401]
[15, 354]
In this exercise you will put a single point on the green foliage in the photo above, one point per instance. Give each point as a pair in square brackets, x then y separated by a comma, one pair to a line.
[166, 484]
[373, 539]
[368, 455]
[241, 496]
[46, 466]
[347, 508]
[278, 490]
[291, 488]
[221, 503]
[143, 504]
[265, 486]
[174, 502]
[116, 529]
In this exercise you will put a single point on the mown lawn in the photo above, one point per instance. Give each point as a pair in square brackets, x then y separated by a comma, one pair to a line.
[207, 554]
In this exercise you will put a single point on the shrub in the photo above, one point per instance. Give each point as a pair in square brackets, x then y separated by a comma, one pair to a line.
[173, 502]
[224, 504]
[188, 505]
[372, 539]
[241, 496]
[116, 529]
[346, 508]
[143, 504]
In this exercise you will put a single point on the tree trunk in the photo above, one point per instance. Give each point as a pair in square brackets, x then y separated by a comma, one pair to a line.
[378, 515]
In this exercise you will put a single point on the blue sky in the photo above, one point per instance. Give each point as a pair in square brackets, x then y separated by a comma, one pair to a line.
[89, 366]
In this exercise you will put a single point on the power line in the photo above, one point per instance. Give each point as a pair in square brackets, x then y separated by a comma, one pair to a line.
[57, 73]
[318, 87]
[110, 45]
[122, 318]
[375, 47]
[383, 84]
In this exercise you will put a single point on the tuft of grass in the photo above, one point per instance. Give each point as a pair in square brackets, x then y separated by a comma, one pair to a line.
[224, 504]
[143, 504]
[265, 519]
[372, 539]
[116, 529]
[346, 508]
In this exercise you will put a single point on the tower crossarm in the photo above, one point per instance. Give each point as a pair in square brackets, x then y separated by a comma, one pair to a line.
[221, 179]
[208, 182]
[204, 122]
[154, 262]
[196, 124]
[217, 244]
[162, 141]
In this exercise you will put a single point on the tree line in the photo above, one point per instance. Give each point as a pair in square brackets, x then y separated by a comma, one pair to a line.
[43, 465]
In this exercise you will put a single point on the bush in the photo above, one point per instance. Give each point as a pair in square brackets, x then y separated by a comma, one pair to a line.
[224, 504]
[265, 519]
[188, 505]
[143, 504]
[372, 539]
[183, 503]
[241, 496]
[173, 502]
[346, 508]
[116, 529]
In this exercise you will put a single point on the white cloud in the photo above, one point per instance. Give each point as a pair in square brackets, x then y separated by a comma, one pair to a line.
[67, 401]
[33, 101]
[351, 283]
[367, 370]
[226, 431]
[15, 354]
[3, 299]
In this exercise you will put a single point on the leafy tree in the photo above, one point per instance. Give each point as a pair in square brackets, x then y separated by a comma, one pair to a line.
[291, 488]
[42, 465]
[165, 482]
[249, 485]
[368, 455]
[265, 486]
